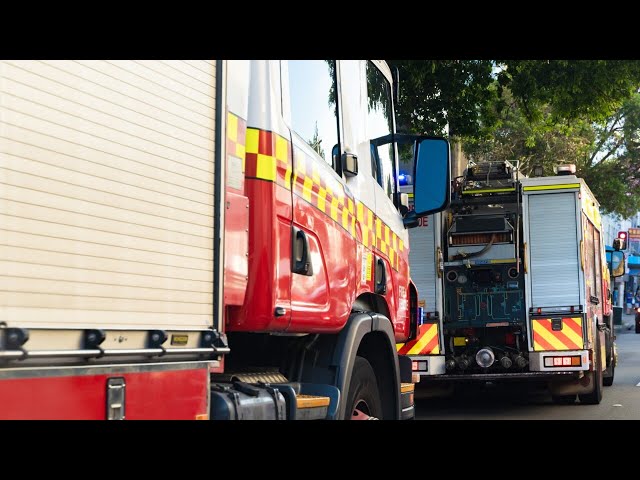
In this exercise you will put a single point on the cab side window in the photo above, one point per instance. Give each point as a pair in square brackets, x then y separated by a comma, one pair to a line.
[313, 97]
[380, 125]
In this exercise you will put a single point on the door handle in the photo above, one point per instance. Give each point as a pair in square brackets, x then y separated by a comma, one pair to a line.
[381, 277]
[301, 257]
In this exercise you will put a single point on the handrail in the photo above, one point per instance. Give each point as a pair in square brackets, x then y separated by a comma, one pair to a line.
[25, 354]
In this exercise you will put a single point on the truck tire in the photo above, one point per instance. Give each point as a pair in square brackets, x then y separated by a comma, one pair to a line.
[364, 395]
[564, 399]
[610, 372]
[595, 397]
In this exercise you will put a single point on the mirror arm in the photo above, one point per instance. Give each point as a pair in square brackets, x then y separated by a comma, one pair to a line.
[410, 220]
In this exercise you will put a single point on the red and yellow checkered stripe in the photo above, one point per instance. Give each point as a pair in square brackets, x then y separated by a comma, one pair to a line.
[326, 194]
[236, 137]
[269, 157]
[426, 343]
[569, 338]
[388, 243]
[365, 220]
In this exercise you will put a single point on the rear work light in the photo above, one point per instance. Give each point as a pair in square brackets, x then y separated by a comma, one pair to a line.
[560, 362]
[419, 366]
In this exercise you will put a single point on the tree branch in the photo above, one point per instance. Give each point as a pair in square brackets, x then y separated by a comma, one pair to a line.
[606, 137]
[611, 151]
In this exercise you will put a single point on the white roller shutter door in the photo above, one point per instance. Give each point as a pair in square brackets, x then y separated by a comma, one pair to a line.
[106, 193]
[553, 250]
[422, 262]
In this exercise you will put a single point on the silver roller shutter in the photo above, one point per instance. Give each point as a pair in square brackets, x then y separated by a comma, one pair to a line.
[422, 262]
[553, 248]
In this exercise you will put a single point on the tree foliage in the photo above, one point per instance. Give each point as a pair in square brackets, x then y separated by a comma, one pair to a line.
[606, 153]
[571, 89]
[537, 113]
[315, 142]
[434, 94]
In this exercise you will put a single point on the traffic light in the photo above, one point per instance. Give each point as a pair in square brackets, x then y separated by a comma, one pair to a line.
[620, 243]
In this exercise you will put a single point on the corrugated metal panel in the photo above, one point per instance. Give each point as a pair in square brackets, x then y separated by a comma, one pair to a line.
[553, 250]
[106, 193]
[422, 262]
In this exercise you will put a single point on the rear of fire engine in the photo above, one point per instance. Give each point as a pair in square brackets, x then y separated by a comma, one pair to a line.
[484, 322]
[206, 239]
[525, 287]
[568, 285]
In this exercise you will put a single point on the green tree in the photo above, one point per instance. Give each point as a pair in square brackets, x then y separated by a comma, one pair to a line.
[315, 142]
[437, 93]
[571, 89]
[538, 112]
[606, 153]
[613, 168]
[466, 94]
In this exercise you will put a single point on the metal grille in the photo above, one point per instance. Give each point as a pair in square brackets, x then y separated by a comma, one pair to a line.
[480, 238]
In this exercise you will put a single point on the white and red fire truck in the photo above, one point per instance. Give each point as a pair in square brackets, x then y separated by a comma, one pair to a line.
[522, 288]
[206, 239]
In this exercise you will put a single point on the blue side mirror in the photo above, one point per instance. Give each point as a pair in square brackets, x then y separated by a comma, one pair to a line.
[432, 178]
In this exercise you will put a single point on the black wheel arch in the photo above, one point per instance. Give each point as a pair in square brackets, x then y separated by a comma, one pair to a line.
[371, 336]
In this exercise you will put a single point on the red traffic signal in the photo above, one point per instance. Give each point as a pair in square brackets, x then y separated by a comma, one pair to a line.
[621, 241]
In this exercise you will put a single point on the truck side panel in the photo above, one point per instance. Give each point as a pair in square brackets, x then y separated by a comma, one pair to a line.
[106, 205]
[81, 394]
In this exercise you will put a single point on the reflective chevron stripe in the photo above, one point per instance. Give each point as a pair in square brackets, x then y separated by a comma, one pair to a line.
[426, 343]
[570, 337]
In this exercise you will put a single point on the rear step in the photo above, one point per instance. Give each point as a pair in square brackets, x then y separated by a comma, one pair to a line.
[407, 401]
[304, 401]
[312, 407]
[407, 387]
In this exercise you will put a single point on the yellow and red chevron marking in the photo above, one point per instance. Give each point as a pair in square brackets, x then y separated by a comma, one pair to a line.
[326, 194]
[268, 157]
[569, 338]
[426, 343]
[365, 220]
[388, 243]
[236, 136]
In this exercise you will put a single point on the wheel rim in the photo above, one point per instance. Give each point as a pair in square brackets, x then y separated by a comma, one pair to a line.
[361, 411]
